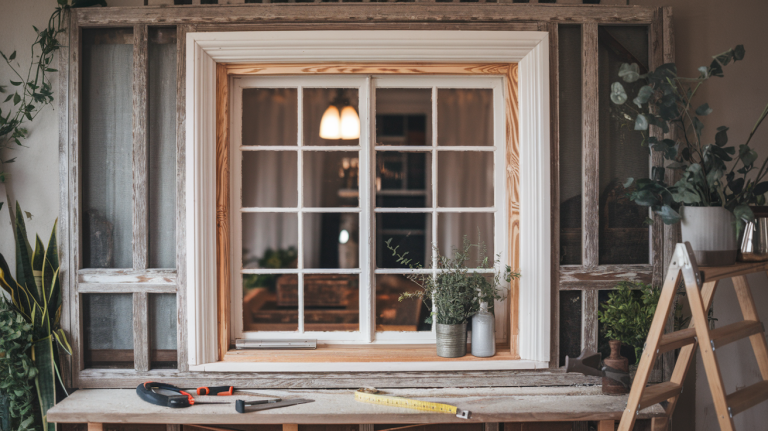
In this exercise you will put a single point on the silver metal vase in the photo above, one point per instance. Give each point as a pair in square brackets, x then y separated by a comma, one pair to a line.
[754, 240]
[451, 340]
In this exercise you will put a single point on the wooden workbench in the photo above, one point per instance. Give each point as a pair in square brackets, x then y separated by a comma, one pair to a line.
[488, 405]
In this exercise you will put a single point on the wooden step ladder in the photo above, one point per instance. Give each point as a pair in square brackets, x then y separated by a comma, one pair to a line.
[700, 290]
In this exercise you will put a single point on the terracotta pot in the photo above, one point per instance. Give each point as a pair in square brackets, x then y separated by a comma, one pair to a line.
[616, 364]
[712, 234]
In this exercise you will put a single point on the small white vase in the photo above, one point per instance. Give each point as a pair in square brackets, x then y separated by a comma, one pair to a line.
[712, 234]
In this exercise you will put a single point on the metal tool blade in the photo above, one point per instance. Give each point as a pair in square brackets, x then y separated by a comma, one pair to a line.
[284, 403]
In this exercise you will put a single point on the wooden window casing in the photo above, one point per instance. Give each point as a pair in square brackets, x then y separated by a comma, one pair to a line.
[467, 16]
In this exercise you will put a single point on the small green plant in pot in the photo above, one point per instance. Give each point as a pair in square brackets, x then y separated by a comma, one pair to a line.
[706, 185]
[627, 315]
[454, 292]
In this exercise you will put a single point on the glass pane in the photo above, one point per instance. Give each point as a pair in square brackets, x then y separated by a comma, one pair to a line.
[403, 116]
[162, 148]
[265, 308]
[331, 178]
[270, 179]
[270, 116]
[337, 109]
[107, 148]
[270, 240]
[477, 227]
[465, 179]
[624, 238]
[331, 240]
[162, 330]
[331, 301]
[393, 315]
[464, 117]
[410, 232]
[403, 179]
[570, 324]
[108, 330]
[570, 144]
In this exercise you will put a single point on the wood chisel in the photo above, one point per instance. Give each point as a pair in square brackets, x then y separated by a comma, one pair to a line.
[255, 406]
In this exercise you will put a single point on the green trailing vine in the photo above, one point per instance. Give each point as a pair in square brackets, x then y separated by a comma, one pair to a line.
[17, 371]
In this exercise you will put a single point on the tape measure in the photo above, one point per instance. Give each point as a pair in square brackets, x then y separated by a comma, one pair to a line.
[373, 396]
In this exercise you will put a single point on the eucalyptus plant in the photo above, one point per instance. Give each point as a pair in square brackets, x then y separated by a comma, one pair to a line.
[711, 173]
[454, 292]
[17, 370]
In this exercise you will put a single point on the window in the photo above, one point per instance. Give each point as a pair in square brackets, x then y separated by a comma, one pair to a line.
[311, 212]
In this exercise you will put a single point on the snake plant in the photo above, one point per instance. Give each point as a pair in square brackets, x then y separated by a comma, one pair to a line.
[36, 295]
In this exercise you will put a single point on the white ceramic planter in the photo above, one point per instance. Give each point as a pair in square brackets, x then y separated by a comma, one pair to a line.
[712, 234]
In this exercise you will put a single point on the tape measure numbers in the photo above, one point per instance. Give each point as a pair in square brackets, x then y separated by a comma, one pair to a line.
[373, 396]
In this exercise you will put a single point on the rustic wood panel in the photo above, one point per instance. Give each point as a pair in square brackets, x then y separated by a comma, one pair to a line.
[589, 306]
[65, 269]
[76, 318]
[298, 26]
[554, 188]
[603, 276]
[352, 353]
[657, 159]
[350, 13]
[513, 201]
[140, 142]
[223, 258]
[125, 288]
[140, 331]
[590, 146]
[127, 276]
[181, 197]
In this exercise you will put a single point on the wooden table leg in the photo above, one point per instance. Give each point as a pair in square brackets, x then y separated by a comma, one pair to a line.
[95, 427]
[608, 425]
[286, 427]
[659, 424]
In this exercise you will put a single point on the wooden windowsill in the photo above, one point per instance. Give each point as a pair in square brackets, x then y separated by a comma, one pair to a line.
[369, 358]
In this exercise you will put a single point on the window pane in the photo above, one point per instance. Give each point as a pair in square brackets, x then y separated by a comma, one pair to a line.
[403, 179]
[331, 301]
[162, 148]
[570, 144]
[331, 178]
[331, 240]
[108, 330]
[162, 327]
[270, 179]
[339, 128]
[465, 117]
[403, 116]
[270, 116]
[107, 148]
[570, 324]
[264, 309]
[409, 232]
[465, 179]
[393, 315]
[624, 238]
[477, 227]
[270, 240]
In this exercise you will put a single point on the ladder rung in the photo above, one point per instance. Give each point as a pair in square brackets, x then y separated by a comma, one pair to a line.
[658, 393]
[735, 331]
[677, 339]
[748, 397]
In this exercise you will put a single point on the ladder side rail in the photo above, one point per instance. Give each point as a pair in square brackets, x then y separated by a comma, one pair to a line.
[749, 312]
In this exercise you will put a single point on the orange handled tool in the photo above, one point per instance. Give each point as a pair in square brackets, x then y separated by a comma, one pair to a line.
[216, 390]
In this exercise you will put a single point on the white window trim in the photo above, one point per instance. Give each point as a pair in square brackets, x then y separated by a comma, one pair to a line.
[529, 49]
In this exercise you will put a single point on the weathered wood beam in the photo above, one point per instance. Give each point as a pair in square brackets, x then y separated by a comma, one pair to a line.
[181, 201]
[590, 146]
[603, 276]
[140, 331]
[140, 142]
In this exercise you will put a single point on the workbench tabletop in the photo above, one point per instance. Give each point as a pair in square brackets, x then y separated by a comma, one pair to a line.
[339, 407]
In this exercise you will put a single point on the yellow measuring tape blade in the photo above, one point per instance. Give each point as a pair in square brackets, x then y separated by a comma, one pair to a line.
[372, 396]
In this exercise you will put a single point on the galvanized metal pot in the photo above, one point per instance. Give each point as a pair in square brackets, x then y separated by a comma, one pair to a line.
[451, 340]
[754, 240]
[712, 234]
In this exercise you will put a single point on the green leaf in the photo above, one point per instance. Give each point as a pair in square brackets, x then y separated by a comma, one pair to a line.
[10, 96]
[641, 122]
[618, 95]
[16, 83]
[715, 69]
[50, 69]
[703, 110]
[721, 137]
[16, 98]
[629, 72]
[738, 53]
[46, 379]
[668, 215]
[627, 184]
[643, 95]
[12, 56]
[743, 212]
[698, 126]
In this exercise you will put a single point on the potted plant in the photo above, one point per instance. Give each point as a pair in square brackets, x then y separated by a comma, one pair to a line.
[455, 292]
[626, 317]
[717, 181]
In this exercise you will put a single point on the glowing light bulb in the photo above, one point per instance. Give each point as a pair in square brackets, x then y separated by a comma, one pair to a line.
[343, 236]
[330, 124]
[350, 123]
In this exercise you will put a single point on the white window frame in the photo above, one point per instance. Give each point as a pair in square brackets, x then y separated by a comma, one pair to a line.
[366, 86]
[528, 49]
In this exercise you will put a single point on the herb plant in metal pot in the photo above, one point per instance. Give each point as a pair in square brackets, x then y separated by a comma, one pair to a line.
[454, 292]
[706, 185]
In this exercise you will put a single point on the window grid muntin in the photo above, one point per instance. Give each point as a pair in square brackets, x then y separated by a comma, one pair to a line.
[367, 269]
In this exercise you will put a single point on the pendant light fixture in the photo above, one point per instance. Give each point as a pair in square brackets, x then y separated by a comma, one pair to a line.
[344, 124]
